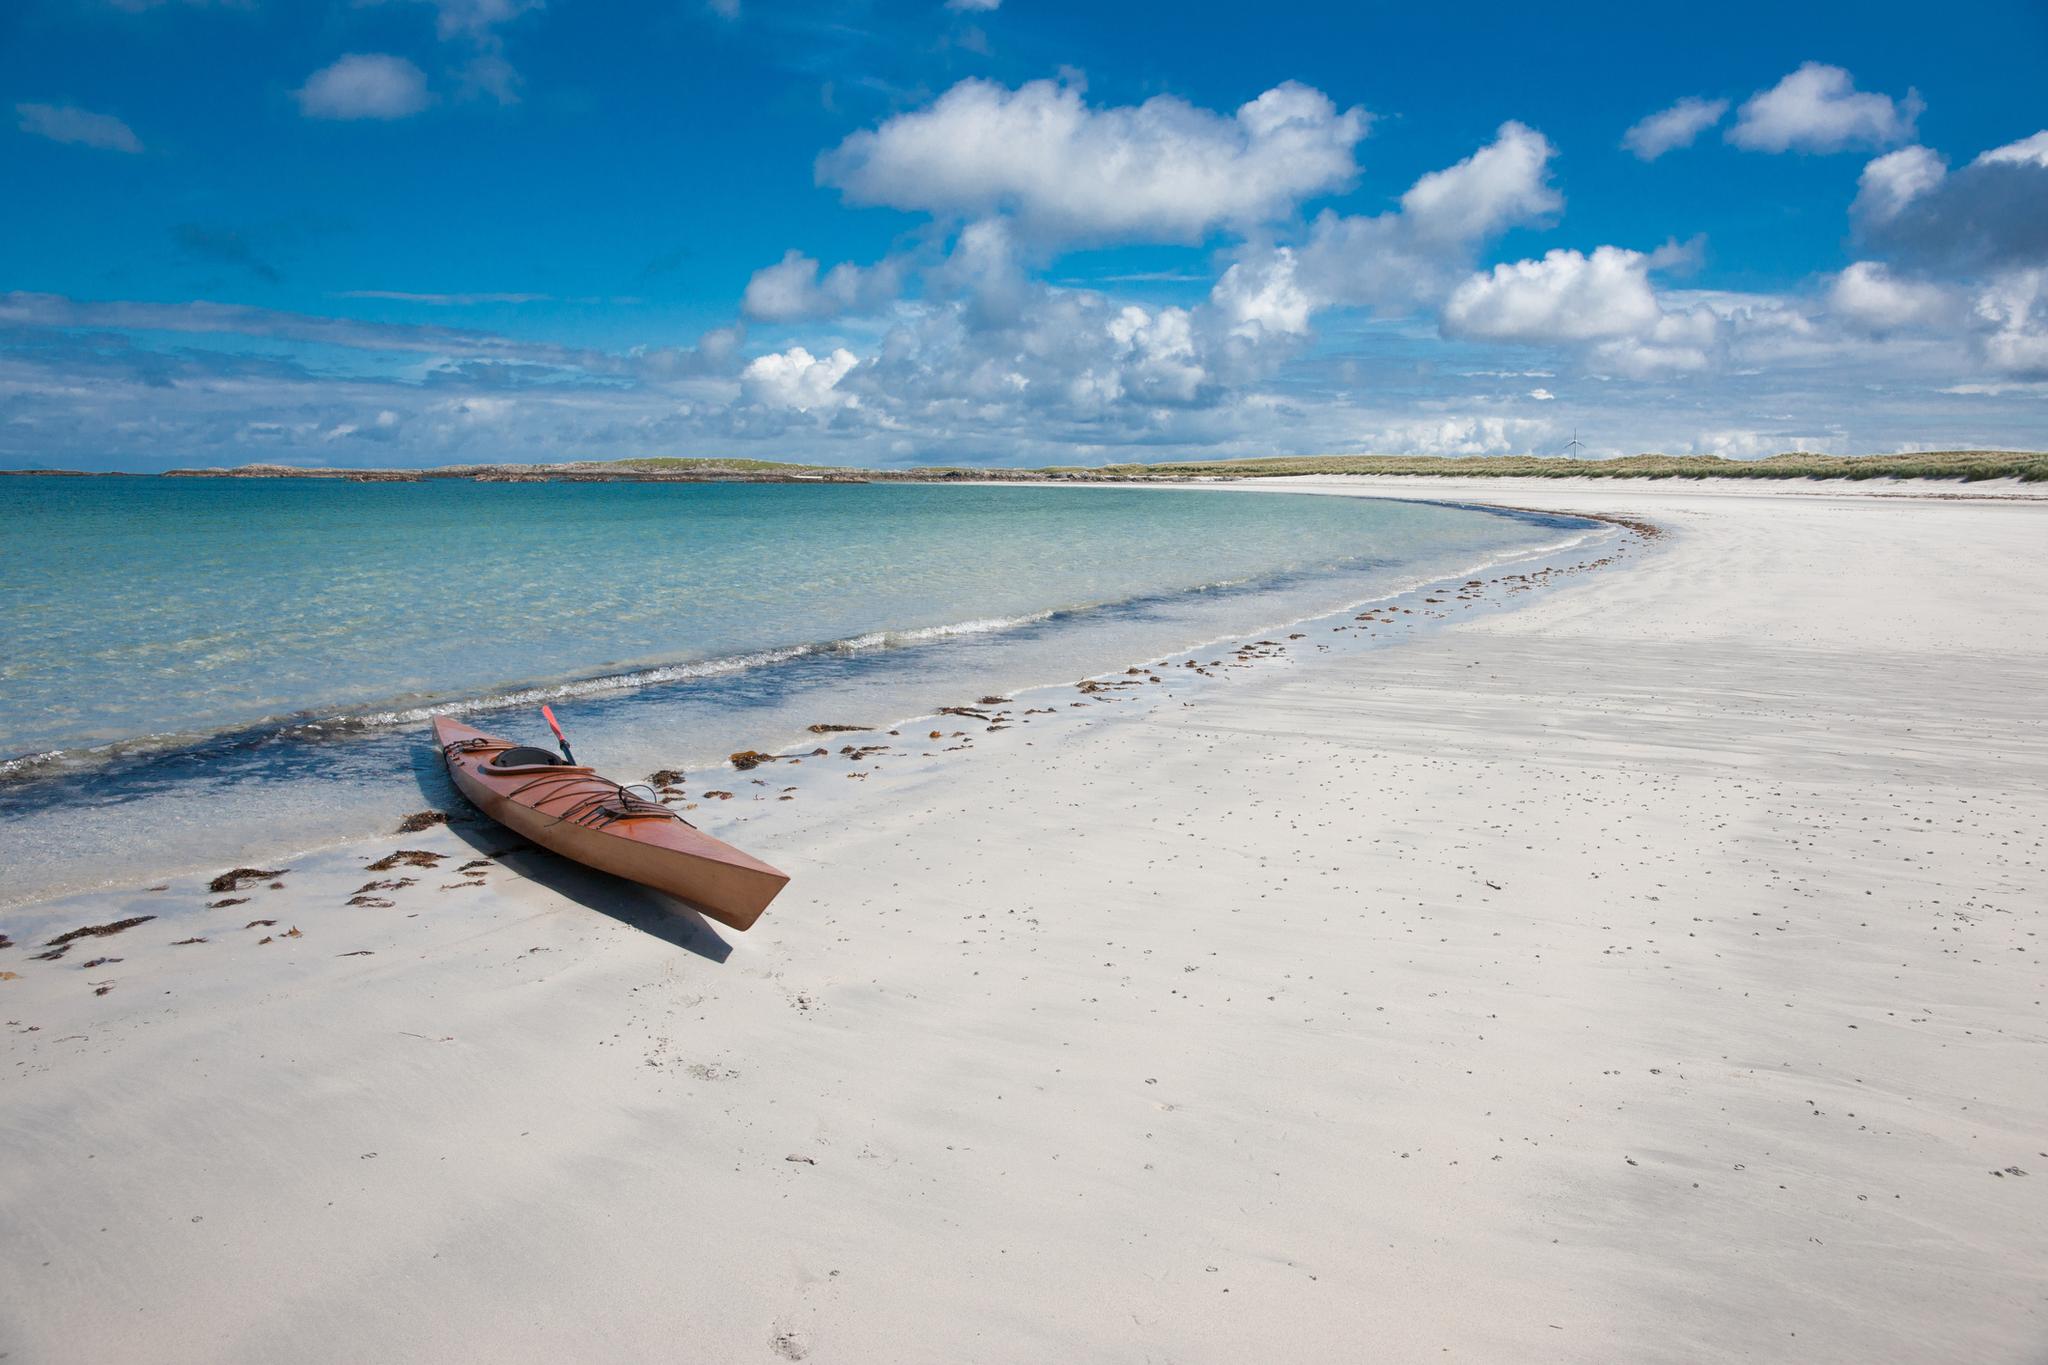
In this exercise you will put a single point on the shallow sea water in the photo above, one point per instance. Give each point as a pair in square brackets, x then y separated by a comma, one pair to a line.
[196, 668]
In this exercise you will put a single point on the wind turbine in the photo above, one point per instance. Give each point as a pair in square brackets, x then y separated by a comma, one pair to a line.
[1574, 444]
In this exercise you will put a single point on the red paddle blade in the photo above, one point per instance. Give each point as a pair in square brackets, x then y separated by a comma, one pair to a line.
[553, 724]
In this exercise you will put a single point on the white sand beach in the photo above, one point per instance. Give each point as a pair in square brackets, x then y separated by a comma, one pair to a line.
[1646, 966]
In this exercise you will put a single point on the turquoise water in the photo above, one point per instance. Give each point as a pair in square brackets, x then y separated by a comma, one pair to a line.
[273, 647]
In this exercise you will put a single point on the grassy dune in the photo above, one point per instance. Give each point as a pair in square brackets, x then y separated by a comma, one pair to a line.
[1940, 464]
[668, 464]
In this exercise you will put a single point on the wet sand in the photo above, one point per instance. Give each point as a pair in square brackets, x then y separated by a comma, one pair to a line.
[1636, 962]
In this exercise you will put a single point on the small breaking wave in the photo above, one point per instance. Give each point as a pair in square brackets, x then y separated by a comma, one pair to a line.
[399, 713]
[884, 639]
[28, 762]
[189, 752]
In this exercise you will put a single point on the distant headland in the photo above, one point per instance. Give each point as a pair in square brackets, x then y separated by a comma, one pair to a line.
[2030, 466]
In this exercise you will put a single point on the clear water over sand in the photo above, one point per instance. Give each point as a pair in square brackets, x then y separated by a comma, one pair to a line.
[200, 667]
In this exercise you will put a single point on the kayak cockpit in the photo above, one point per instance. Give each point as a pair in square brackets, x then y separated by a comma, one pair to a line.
[523, 756]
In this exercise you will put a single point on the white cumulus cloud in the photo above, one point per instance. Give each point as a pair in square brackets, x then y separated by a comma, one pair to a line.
[1894, 180]
[1410, 257]
[1744, 443]
[1566, 296]
[985, 270]
[1819, 109]
[2028, 151]
[1260, 297]
[1678, 126]
[67, 123]
[1156, 351]
[1163, 170]
[1503, 182]
[1604, 299]
[1461, 436]
[791, 289]
[364, 85]
[1678, 342]
[2012, 315]
[797, 379]
[1869, 297]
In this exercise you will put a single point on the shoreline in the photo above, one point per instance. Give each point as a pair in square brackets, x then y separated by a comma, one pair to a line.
[1929, 467]
[1410, 585]
[393, 713]
[1655, 964]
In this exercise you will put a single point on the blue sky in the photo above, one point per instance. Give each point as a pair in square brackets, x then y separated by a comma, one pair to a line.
[428, 231]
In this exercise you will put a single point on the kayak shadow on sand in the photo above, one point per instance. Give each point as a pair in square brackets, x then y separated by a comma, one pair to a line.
[651, 912]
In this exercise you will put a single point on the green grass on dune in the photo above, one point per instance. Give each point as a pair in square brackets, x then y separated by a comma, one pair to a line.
[1939, 464]
[678, 464]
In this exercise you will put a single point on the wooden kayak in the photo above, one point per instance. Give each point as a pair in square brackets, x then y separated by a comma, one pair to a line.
[594, 821]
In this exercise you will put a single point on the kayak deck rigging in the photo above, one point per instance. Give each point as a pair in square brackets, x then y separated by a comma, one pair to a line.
[590, 799]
